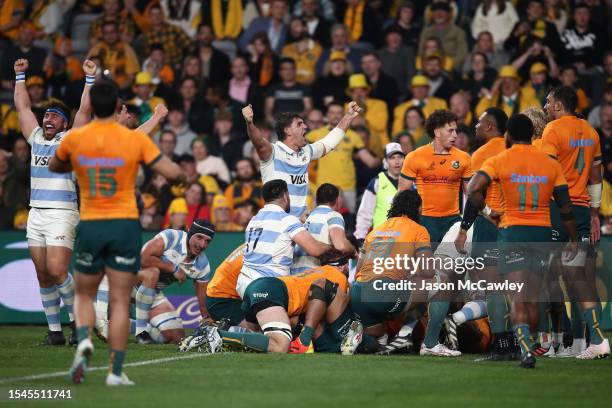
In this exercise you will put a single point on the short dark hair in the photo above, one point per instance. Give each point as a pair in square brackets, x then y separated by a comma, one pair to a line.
[567, 96]
[569, 67]
[169, 132]
[520, 128]
[247, 203]
[273, 190]
[438, 119]
[104, 95]
[286, 60]
[282, 121]
[370, 54]
[327, 194]
[406, 203]
[333, 257]
[335, 102]
[156, 47]
[186, 158]
[499, 117]
[112, 22]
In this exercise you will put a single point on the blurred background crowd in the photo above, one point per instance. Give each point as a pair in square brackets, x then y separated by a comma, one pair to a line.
[206, 59]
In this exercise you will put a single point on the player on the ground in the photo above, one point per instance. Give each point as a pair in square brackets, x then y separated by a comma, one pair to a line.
[270, 237]
[490, 129]
[326, 225]
[575, 145]
[288, 158]
[171, 256]
[105, 157]
[528, 179]
[53, 200]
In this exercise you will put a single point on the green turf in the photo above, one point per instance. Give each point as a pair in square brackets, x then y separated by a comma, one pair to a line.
[251, 380]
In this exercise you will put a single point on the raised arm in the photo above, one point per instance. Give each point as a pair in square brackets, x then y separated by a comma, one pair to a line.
[23, 105]
[335, 136]
[159, 114]
[261, 144]
[83, 115]
[351, 113]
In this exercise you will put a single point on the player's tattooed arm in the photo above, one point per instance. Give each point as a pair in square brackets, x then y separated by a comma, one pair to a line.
[83, 115]
[23, 105]
[261, 144]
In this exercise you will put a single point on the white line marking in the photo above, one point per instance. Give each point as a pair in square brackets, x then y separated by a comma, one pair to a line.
[134, 364]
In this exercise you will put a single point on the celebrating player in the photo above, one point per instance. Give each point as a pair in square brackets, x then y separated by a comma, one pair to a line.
[53, 200]
[105, 157]
[288, 158]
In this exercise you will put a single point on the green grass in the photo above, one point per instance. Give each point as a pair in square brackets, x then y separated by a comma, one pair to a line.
[251, 380]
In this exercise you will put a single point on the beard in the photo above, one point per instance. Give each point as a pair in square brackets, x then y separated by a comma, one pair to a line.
[245, 179]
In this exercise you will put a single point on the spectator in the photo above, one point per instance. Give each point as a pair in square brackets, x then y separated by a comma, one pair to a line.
[4, 168]
[246, 186]
[383, 86]
[452, 37]
[481, 76]
[225, 18]
[569, 77]
[167, 145]
[11, 16]
[176, 217]
[7, 214]
[226, 142]
[582, 45]
[215, 64]
[408, 28]
[405, 141]
[47, 17]
[420, 99]
[207, 164]
[159, 188]
[363, 172]
[433, 46]
[23, 48]
[332, 84]
[116, 55]
[192, 67]
[221, 215]
[460, 106]
[242, 89]
[397, 61]
[111, 11]
[273, 25]
[315, 119]
[194, 111]
[538, 84]
[184, 135]
[36, 92]
[218, 100]
[528, 29]
[465, 139]
[605, 136]
[318, 27]
[144, 99]
[375, 112]
[325, 8]
[484, 45]
[287, 95]
[414, 126]
[160, 72]
[64, 69]
[556, 14]
[506, 94]
[537, 52]
[303, 50]
[184, 14]
[263, 63]
[338, 166]
[362, 22]
[595, 113]
[151, 219]
[174, 40]
[244, 211]
[339, 42]
[440, 86]
[496, 17]
[9, 126]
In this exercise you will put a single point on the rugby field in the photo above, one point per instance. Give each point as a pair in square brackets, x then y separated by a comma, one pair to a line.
[255, 380]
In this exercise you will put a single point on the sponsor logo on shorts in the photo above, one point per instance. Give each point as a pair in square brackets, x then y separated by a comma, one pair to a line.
[125, 261]
[60, 238]
[260, 295]
[84, 258]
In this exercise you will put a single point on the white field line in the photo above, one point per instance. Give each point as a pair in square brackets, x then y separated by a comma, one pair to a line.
[134, 364]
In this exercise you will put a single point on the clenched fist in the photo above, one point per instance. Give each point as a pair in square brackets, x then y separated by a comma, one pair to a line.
[353, 109]
[89, 67]
[247, 112]
[21, 65]
[160, 111]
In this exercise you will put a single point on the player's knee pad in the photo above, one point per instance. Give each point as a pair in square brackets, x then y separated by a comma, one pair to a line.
[277, 327]
[167, 321]
[316, 292]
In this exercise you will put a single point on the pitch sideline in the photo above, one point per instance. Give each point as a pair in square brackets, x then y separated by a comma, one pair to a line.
[134, 364]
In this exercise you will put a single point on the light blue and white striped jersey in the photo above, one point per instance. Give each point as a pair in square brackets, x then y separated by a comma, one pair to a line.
[175, 252]
[318, 223]
[269, 243]
[48, 189]
[286, 164]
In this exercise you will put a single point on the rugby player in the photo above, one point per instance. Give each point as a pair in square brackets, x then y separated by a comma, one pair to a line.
[171, 256]
[575, 144]
[270, 237]
[105, 157]
[326, 225]
[490, 130]
[53, 200]
[288, 158]
[528, 180]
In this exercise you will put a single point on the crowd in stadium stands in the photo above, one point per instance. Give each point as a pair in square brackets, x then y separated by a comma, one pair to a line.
[205, 60]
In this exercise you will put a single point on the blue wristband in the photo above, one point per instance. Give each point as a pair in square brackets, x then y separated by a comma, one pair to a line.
[20, 77]
[90, 79]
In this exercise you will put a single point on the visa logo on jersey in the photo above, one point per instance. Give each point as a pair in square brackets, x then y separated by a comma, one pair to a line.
[298, 179]
[42, 161]
[581, 142]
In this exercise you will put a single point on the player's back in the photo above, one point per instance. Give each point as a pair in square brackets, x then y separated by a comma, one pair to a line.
[493, 147]
[106, 157]
[298, 286]
[575, 144]
[528, 178]
[223, 282]
[396, 236]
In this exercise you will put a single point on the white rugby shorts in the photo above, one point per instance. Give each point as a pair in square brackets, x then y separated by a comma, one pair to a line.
[52, 227]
